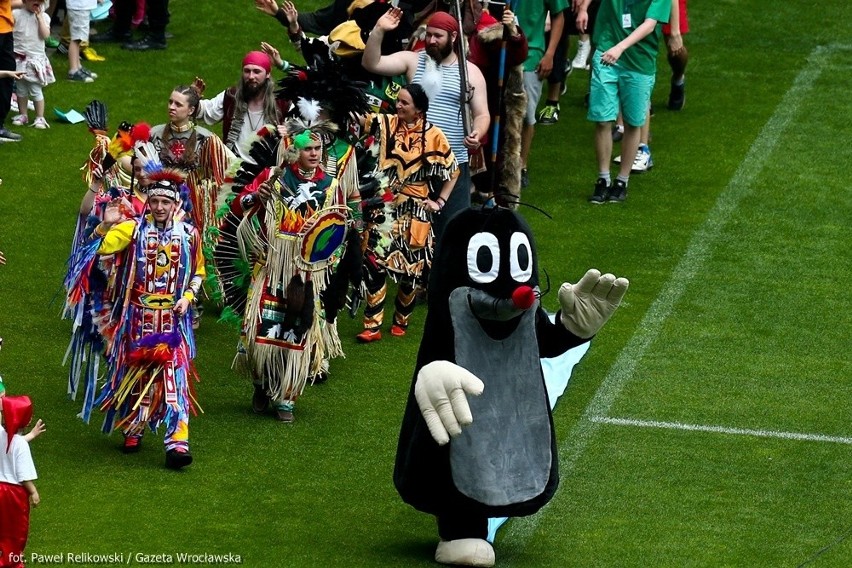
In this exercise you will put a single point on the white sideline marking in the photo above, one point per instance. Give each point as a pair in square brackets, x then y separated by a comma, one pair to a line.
[721, 430]
[572, 446]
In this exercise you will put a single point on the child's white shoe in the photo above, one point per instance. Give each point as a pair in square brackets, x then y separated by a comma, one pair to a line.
[40, 123]
[20, 120]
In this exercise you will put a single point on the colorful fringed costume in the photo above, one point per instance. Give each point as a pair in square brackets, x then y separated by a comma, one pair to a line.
[86, 283]
[233, 262]
[202, 156]
[152, 348]
[302, 234]
[416, 159]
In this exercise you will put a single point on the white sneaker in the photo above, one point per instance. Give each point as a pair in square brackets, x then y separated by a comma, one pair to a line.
[40, 123]
[643, 161]
[581, 58]
[20, 120]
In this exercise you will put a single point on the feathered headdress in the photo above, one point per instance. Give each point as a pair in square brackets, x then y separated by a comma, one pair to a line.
[298, 133]
[324, 85]
[96, 117]
[148, 157]
[152, 166]
[264, 151]
[165, 188]
[123, 140]
[309, 110]
[166, 182]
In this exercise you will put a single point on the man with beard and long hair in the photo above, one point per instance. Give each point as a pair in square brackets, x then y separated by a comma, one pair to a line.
[245, 107]
[437, 70]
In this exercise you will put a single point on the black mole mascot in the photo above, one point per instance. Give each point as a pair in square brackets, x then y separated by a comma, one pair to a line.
[485, 333]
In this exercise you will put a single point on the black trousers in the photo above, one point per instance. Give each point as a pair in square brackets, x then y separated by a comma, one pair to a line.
[123, 16]
[7, 63]
[158, 17]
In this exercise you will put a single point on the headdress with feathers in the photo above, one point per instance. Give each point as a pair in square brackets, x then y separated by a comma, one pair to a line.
[167, 182]
[324, 85]
[122, 141]
[298, 132]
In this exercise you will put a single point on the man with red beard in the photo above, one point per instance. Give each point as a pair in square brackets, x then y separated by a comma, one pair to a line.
[437, 70]
[244, 108]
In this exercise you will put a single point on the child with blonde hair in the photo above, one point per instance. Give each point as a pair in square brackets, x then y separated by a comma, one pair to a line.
[32, 27]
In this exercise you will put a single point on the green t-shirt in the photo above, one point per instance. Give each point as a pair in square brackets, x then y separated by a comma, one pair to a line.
[610, 29]
[531, 17]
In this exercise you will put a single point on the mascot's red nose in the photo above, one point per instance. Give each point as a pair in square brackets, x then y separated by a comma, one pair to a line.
[523, 297]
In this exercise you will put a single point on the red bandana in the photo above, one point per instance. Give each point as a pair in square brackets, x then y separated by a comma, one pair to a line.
[443, 21]
[258, 58]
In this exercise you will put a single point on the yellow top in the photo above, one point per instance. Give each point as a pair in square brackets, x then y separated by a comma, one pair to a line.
[7, 22]
[118, 237]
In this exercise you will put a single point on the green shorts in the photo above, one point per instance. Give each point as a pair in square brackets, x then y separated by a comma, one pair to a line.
[614, 88]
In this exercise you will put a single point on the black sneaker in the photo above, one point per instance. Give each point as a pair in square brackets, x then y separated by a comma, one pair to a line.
[177, 459]
[618, 192]
[525, 178]
[601, 192]
[548, 115]
[677, 96]
[145, 44]
[7, 135]
[110, 36]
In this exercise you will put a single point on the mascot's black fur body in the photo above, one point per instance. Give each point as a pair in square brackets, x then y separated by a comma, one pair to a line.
[505, 463]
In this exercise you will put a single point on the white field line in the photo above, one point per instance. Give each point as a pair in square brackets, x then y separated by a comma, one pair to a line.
[572, 446]
[799, 436]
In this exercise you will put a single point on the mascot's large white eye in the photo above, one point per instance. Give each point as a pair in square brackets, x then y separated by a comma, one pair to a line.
[520, 257]
[483, 258]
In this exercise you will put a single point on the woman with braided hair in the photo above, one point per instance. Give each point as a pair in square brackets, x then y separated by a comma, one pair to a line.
[203, 159]
[421, 169]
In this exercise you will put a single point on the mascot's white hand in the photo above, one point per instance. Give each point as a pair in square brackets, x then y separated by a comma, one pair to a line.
[440, 393]
[588, 304]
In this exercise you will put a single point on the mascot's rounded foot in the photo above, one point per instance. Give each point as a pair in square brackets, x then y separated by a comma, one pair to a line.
[465, 552]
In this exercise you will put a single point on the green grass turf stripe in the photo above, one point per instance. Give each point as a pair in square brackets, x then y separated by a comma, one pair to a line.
[798, 436]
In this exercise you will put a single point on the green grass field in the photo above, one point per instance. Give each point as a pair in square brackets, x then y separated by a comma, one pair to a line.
[709, 424]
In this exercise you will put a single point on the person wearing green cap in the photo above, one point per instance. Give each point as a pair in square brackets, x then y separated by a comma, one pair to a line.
[286, 338]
